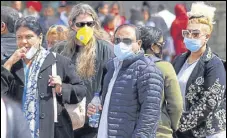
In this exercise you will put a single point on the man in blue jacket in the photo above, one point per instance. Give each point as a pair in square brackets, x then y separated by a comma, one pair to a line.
[132, 90]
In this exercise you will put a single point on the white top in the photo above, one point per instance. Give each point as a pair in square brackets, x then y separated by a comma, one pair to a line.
[168, 17]
[3, 120]
[103, 126]
[183, 77]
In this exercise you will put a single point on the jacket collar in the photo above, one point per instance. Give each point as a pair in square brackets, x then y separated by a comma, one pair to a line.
[207, 56]
[50, 59]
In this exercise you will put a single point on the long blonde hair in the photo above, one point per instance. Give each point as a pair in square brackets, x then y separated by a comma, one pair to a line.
[205, 14]
[85, 64]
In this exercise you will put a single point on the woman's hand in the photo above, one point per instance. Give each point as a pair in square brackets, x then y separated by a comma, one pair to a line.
[17, 55]
[91, 109]
[56, 82]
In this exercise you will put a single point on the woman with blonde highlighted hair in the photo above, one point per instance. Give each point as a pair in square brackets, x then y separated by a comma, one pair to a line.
[55, 34]
[89, 48]
[202, 79]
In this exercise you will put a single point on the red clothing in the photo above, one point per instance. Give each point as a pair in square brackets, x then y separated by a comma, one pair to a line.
[109, 31]
[37, 5]
[179, 24]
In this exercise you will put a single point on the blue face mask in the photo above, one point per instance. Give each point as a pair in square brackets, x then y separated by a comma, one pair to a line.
[192, 44]
[123, 51]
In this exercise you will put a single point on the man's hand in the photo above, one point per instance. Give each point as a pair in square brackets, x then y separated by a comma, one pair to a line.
[91, 110]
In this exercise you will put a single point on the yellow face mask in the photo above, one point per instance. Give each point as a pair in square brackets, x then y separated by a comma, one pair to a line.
[84, 34]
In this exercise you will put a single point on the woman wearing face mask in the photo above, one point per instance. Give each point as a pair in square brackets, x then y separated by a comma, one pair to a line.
[202, 79]
[172, 103]
[32, 83]
[88, 48]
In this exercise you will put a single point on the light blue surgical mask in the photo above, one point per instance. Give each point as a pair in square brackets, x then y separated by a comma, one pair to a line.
[192, 44]
[123, 51]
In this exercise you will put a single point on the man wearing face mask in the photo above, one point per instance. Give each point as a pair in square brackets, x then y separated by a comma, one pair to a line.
[88, 48]
[132, 90]
[202, 79]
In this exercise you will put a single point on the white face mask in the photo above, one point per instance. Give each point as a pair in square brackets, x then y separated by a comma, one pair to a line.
[123, 51]
[31, 53]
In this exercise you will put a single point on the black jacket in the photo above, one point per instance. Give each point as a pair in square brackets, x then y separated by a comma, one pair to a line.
[205, 106]
[104, 51]
[135, 102]
[8, 45]
[73, 91]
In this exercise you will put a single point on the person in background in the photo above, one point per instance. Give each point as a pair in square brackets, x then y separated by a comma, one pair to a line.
[115, 11]
[179, 24]
[108, 25]
[89, 49]
[172, 103]
[146, 11]
[132, 90]
[13, 123]
[64, 10]
[202, 78]
[102, 10]
[33, 8]
[17, 5]
[48, 18]
[166, 15]
[32, 83]
[157, 21]
[55, 34]
[136, 17]
[8, 38]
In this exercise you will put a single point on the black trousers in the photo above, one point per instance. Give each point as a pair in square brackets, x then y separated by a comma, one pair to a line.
[186, 134]
[86, 132]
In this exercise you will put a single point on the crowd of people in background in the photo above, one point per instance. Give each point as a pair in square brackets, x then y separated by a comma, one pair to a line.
[110, 18]
[155, 74]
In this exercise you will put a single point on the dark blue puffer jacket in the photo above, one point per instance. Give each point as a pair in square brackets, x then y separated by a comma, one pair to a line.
[134, 107]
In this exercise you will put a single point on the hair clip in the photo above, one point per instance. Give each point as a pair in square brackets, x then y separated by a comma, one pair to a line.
[59, 29]
[192, 17]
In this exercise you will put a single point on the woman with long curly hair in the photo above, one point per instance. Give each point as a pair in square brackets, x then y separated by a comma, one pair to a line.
[89, 49]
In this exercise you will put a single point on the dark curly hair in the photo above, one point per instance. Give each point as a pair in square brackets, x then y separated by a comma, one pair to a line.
[30, 22]
[149, 36]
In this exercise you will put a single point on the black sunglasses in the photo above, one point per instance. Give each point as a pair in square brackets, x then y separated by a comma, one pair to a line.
[126, 41]
[82, 24]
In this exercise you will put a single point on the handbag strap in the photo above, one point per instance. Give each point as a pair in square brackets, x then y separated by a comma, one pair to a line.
[54, 73]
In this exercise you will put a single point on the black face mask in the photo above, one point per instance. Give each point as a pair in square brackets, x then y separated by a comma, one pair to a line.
[159, 55]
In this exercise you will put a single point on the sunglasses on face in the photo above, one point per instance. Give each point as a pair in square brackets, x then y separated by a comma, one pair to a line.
[193, 33]
[82, 24]
[126, 41]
